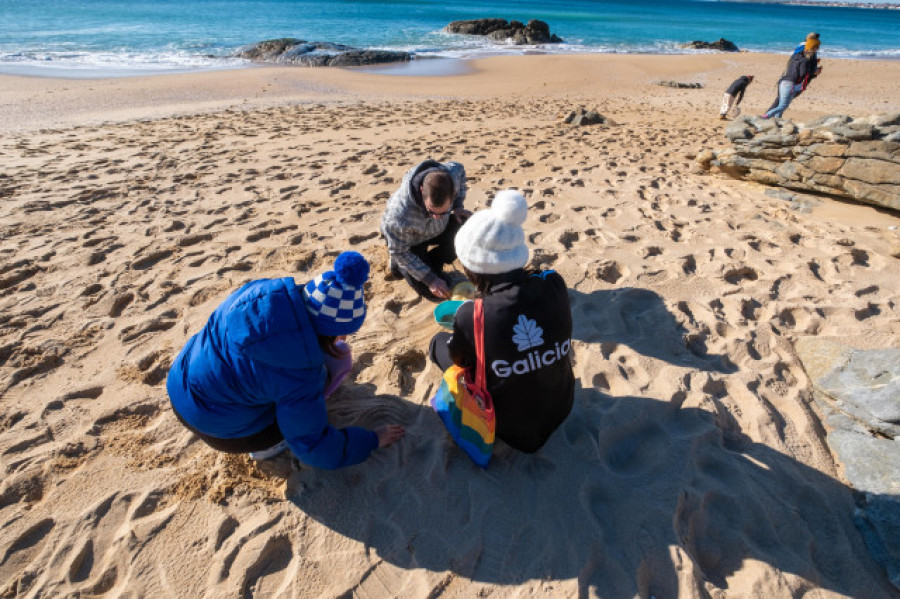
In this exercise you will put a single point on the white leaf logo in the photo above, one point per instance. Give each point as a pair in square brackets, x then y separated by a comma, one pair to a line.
[527, 334]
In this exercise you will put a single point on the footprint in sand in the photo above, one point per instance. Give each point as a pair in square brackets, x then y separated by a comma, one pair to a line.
[750, 309]
[11, 276]
[541, 258]
[150, 370]
[855, 257]
[405, 364]
[637, 449]
[358, 239]
[189, 240]
[97, 551]
[269, 572]
[815, 269]
[568, 239]
[249, 559]
[736, 275]
[163, 322]
[29, 362]
[869, 311]
[549, 218]
[609, 271]
[20, 557]
[151, 260]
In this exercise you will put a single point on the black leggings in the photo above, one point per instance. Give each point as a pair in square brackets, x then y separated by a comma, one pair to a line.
[264, 439]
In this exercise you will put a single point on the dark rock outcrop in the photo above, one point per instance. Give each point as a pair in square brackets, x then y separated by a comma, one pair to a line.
[721, 45]
[857, 159]
[535, 32]
[581, 117]
[859, 394]
[318, 54]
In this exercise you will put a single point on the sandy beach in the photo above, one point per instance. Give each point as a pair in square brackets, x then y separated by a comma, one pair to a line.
[693, 464]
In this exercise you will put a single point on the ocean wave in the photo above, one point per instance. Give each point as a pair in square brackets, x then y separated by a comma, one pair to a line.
[62, 63]
[667, 48]
[111, 64]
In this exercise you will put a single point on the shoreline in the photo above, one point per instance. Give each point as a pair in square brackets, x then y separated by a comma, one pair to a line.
[419, 62]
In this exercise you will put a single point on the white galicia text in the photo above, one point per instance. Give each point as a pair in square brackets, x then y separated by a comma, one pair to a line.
[532, 361]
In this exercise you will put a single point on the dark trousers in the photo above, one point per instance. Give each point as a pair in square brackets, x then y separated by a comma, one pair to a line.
[264, 439]
[436, 252]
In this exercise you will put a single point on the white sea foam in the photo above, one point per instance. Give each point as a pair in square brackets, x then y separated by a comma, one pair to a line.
[110, 64]
[85, 64]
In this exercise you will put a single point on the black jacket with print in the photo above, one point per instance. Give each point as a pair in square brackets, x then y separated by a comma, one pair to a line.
[528, 347]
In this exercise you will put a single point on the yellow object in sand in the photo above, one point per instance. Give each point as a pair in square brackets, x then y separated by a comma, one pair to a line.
[463, 291]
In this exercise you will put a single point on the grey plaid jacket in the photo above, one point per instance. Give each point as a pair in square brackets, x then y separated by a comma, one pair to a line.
[405, 222]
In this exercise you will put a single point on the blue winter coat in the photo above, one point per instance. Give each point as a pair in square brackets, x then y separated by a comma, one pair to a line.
[258, 359]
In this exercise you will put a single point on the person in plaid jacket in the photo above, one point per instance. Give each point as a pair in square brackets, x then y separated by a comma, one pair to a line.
[255, 378]
[420, 224]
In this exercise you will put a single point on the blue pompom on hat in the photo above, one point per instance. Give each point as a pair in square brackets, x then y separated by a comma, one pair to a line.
[335, 299]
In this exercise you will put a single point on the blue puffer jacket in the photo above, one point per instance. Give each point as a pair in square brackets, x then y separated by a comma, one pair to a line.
[258, 359]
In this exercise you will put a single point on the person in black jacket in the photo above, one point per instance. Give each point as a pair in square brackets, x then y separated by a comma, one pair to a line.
[734, 94]
[813, 40]
[527, 326]
[801, 69]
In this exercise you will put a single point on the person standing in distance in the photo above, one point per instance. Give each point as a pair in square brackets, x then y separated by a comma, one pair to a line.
[813, 42]
[801, 69]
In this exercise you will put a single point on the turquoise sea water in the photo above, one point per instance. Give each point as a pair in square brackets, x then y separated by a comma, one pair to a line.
[138, 36]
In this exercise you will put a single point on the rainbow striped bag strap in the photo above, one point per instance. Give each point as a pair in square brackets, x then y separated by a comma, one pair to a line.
[465, 406]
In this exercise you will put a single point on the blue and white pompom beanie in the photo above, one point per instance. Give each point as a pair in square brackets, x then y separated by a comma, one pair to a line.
[335, 300]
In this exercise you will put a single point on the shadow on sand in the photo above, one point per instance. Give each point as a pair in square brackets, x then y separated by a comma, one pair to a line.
[639, 319]
[622, 484]
[631, 496]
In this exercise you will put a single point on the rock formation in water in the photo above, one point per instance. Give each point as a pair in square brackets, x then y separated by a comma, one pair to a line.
[500, 30]
[722, 45]
[318, 54]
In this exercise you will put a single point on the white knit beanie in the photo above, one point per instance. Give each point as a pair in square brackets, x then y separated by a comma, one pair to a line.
[492, 241]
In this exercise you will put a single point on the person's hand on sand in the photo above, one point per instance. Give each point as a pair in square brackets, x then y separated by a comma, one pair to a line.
[389, 433]
[462, 215]
[439, 288]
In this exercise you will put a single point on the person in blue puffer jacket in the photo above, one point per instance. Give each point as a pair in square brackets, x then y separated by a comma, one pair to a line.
[255, 378]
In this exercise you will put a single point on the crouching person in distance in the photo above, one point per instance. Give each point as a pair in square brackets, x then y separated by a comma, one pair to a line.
[527, 326]
[255, 378]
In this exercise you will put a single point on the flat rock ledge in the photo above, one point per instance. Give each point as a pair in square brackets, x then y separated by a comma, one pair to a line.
[501, 30]
[857, 159]
[294, 51]
[680, 84]
[859, 394]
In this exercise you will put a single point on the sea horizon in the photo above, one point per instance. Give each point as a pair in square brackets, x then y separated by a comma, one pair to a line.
[112, 38]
